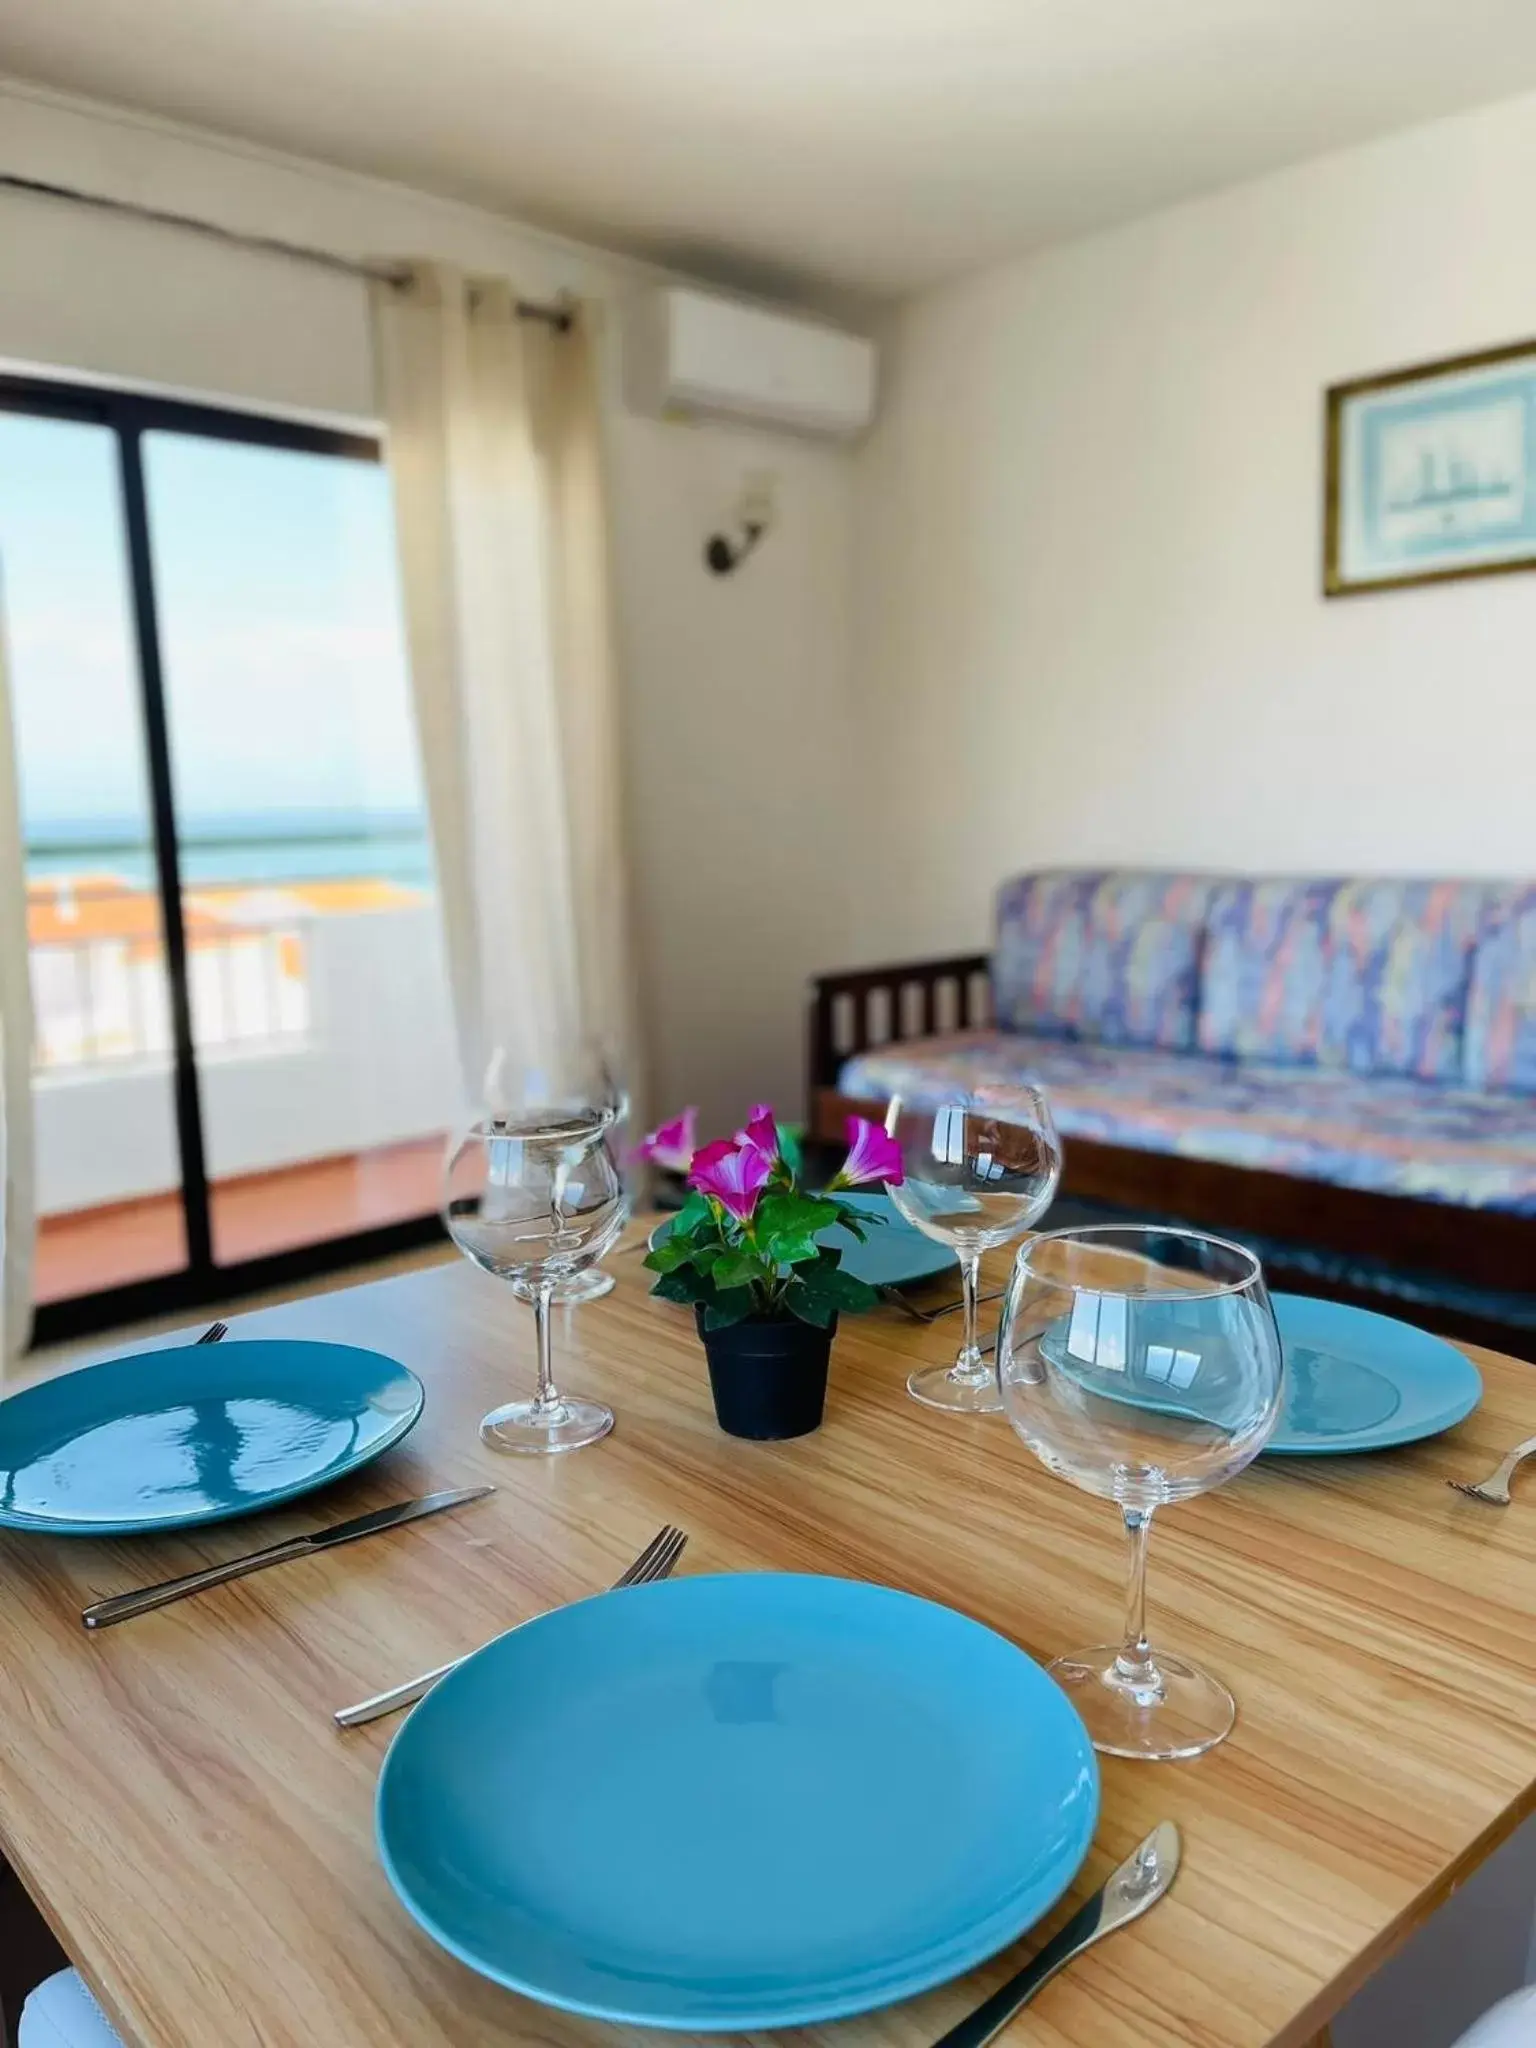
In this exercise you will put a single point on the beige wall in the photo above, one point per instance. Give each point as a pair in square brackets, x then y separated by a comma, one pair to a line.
[1087, 621]
[734, 688]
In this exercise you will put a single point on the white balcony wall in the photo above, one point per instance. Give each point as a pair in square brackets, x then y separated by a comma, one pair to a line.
[376, 1067]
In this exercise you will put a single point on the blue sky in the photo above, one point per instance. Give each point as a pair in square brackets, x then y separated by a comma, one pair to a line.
[285, 674]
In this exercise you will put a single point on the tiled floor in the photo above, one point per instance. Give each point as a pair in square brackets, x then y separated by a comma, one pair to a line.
[260, 1213]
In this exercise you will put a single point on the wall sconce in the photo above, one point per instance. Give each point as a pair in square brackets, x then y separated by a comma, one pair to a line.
[754, 515]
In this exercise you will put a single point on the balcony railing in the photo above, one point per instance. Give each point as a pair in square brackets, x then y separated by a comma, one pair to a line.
[99, 988]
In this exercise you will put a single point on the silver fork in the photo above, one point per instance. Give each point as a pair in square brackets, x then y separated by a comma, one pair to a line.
[654, 1562]
[1495, 1488]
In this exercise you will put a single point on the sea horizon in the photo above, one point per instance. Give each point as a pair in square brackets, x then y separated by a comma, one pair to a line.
[278, 845]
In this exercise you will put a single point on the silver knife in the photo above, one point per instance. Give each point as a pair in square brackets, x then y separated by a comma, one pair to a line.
[123, 1606]
[1139, 1883]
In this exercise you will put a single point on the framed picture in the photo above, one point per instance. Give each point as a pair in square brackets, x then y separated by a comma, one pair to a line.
[1431, 473]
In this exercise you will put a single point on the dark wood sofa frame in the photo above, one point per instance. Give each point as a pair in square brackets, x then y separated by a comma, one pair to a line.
[1479, 1248]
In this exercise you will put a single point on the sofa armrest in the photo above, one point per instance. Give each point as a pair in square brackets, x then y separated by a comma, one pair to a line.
[872, 1006]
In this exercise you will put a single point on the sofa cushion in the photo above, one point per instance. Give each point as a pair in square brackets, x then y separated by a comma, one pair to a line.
[1266, 954]
[1388, 1134]
[1499, 1045]
[1371, 975]
[1111, 955]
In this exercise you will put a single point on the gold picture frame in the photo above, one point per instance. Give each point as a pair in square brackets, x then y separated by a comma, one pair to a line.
[1430, 473]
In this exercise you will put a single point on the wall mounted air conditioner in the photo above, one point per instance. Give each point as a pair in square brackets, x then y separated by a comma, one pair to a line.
[688, 353]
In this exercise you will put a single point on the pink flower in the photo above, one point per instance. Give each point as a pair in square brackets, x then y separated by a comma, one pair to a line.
[671, 1146]
[762, 1132]
[873, 1155]
[735, 1175]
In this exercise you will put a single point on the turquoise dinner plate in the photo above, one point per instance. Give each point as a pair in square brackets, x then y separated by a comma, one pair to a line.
[195, 1433]
[739, 1802]
[893, 1255]
[1357, 1381]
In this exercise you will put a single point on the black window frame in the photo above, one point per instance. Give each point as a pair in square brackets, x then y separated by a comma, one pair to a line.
[200, 1282]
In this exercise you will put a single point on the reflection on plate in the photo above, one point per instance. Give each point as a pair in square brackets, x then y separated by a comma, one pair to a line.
[196, 1433]
[1326, 1395]
[1358, 1381]
[742, 1802]
[1354, 1380]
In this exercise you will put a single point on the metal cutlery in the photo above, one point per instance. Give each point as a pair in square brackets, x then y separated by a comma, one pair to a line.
[1139, 1883]
[897, 1299]
[213, 1333]
[1495, 1488]
[124, 1606]
[654, 1562]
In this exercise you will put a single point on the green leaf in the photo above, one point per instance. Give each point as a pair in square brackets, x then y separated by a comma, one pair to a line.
[695, 1210]
[826, 1284]
[792, 1215]
[668, 1255]
[789, 1148]
[683, 1286]
[737, 1269]
[845, 1291]
[810, 1306]
[733, 1306]
[796, 1251]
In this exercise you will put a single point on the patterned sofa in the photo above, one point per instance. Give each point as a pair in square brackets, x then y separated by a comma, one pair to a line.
[1344, 1062]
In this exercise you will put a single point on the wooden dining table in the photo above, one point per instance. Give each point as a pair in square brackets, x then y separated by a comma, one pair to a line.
[179, 1803]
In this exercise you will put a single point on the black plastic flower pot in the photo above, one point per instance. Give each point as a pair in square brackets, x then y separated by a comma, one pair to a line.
[769, 1379]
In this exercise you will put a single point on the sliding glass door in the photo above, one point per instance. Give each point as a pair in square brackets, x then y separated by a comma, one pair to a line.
[244, 1053]
[108, 1165]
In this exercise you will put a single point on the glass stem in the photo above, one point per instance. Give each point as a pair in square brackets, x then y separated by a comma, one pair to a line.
[1134, 1668]
[546, 1396]
[969, 1364]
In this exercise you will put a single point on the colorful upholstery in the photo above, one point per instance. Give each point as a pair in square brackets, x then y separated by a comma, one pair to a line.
[1499, 1047]
[1385, 1133]
[1109, 956]
[1371, 975]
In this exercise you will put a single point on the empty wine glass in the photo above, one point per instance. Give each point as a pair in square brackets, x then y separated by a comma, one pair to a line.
[612, 1098]
[1144, 1365]
[978, 1170]
[533, 1196]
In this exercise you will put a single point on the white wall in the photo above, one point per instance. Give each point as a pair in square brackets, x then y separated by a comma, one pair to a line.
[735, 690]
[1088, 624]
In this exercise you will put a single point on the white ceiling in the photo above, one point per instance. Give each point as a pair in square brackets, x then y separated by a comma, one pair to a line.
[877, 145]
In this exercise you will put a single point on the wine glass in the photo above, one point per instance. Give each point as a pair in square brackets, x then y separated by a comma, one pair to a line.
[612, 1097]
[977, 1171]
[1143, 1364]
[533, 1196]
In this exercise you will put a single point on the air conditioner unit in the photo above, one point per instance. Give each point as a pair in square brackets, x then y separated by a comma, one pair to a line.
[689, 353]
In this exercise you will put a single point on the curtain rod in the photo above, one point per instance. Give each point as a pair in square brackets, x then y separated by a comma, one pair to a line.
[556, 316]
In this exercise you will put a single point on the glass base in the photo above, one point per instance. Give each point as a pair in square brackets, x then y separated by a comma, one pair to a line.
[564, 1424]
[957, 1389]
[591, 1285]
[1184, 1713]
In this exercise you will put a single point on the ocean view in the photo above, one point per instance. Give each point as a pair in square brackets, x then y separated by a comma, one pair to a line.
[258, 848]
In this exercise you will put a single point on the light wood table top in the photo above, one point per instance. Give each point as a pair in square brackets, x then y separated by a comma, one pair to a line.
[177, 1800]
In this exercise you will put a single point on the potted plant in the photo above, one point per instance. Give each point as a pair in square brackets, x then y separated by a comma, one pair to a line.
[742, 1252]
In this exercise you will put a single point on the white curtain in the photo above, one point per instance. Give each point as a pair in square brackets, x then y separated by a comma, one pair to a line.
[17, 1218]
[494, 451]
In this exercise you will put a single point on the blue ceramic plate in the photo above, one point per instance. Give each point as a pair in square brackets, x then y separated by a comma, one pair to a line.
[1357, 1381]
[894, 1255]
[752, 1801]
[195, 1433]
